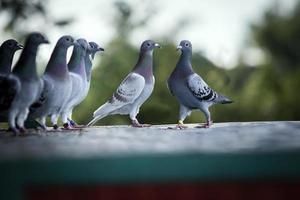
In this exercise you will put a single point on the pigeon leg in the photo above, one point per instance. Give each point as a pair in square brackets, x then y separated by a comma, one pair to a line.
[183, 113]
[70, 121]
[43, 123]
[208, 119]
[65, 121]
[134, 121]
[54, 119]
[21, 119]
[12, 122]
[180, 125]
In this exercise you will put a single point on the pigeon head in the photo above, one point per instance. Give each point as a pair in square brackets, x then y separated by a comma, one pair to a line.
[93, 48]
[11, 45]
[81, 45]
[185, 46]
[37, 38]
[149, 45]
[65, 41]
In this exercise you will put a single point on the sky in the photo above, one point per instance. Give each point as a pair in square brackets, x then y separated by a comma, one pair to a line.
[217, 28]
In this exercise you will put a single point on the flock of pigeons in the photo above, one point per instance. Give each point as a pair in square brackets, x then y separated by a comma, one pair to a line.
[26, 97]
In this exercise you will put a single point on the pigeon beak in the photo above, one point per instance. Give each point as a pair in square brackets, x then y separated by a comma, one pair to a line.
[19, 46]
[100, 49]
[46, 41]
[157, 45]
[179, 47]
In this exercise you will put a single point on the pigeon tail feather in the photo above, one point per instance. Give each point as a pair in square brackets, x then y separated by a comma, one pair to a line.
[101, 112]
[223, 99]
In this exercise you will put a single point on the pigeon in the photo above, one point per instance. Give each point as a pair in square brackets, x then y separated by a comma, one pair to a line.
[57, 86]
[92, 49]
[31, 84]
[77, 73]
[7, 52]
[190, 89]
[9, 85]
[134, 90]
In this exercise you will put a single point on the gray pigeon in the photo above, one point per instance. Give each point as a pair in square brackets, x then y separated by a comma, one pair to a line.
[7, 52]
[134, 90]
[92, 49]
[57, 86]
[31, 85]
[77, 72]
[190, 89]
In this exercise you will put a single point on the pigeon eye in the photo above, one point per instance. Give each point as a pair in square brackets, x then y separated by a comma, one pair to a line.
[68, 39]
[186, 44]
[148, 44]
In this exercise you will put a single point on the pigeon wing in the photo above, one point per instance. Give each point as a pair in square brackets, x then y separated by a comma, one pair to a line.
[127, 92]
[47, 87]
[200, 89]
[9, 86]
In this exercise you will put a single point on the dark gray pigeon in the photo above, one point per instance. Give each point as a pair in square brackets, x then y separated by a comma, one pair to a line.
[190, 89]
[9, 85]
[134, 90]
[31, 85]
[57, 86]
[7, 52]
[77, 72]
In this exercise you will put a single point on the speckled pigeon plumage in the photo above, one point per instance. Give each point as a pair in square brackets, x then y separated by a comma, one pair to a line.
[190, 89]
[31, 84]
[134, 90]
[57, 85]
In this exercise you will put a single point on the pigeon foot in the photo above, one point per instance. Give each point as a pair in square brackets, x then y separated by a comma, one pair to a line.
[180, 126]
[206, 125]
[55, 126]
[136, 124]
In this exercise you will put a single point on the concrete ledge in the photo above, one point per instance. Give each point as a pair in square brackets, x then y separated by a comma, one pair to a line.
[123, 155]
[110, 141]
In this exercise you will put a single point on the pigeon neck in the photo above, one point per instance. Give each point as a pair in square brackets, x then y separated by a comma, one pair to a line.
[88, 67]
[26, 65]
[6, 58]
[77, 62]
[184, 63]
[57, 64]
[144, 65]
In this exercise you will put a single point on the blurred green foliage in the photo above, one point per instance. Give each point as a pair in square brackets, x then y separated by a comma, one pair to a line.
[265, 92]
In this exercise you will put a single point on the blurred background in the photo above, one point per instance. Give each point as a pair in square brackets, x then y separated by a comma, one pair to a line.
[247, 50]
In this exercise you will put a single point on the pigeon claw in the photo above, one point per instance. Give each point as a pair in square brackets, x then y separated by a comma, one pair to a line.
[180, 126]
[206, 125]
[55, 126]
[136, 124]
[67, 126]
[23, 130]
